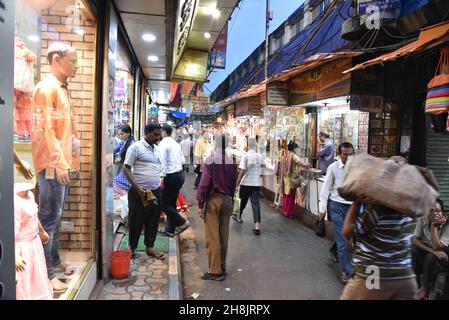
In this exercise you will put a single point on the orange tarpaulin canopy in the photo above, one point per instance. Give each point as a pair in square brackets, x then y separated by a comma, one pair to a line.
[426, 38]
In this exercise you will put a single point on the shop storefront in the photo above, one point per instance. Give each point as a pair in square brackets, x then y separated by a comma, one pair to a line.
[53, 125]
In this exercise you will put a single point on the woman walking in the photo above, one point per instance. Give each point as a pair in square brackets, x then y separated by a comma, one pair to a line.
[290, 165]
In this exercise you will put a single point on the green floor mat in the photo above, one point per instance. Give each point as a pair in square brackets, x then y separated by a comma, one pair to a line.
[161, 243]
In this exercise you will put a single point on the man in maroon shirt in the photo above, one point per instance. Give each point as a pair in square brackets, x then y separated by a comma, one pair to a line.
[215, 197]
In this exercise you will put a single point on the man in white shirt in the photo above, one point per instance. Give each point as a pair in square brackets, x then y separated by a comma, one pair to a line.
[143, 170]
[186, 147]
[172, 160]
[250, 182]
[338, 206]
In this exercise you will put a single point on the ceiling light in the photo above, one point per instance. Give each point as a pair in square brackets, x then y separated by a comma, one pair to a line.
[33, 38]
[210, 9]
[207, 35]
[216, 13]
[79, 31]
[148, 37]
[153, 58]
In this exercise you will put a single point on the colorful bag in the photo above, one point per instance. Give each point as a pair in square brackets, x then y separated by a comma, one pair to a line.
[437, 100]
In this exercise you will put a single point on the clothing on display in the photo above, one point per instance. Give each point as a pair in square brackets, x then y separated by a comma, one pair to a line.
[24, 63]
[32, 283]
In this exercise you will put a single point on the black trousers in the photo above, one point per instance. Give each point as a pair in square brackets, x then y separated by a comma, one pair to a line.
[143, 217]
[198, 178]
[172, 185]
[426, 264]
[253, 194]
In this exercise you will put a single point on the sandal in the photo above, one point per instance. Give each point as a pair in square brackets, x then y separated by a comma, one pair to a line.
[155, 254]
[235, 218]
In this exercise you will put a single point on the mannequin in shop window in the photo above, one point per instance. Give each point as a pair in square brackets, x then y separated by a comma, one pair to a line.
[290, 164]
[55, 149]
[31, 272]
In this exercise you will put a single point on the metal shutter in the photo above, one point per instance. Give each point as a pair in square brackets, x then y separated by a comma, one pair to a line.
[438, 161]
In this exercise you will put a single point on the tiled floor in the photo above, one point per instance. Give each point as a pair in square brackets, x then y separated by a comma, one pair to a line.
[148, 280]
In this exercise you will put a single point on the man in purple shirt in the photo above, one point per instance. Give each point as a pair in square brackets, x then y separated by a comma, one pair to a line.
[325, 153]
[215, 196]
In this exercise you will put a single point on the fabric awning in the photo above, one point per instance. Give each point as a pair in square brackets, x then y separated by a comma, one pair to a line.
[427, 38]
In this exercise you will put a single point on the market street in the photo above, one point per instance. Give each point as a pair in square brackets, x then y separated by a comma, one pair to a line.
[287, 261]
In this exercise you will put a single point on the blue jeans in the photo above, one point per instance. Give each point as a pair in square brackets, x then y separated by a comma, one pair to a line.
[338, 212]
[52, 196]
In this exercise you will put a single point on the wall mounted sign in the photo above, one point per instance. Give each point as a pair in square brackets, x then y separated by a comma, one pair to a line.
[185, 14]
[192, 66]
[217, 58]
[277, 93]
[326, 81]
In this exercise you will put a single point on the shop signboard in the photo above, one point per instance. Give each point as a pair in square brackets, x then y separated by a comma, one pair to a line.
[199, 105]
[248, 107]
[184, 21]
[241, 107]
[217, 58]
[366, 103]
[323, 82]
[192, 66]
[277, 93]
[381, 5]
[254, 106]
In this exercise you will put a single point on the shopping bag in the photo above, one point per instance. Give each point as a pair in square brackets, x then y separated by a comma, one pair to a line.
[320, 228]
[236, 209]
[437, 100]
[124, 209]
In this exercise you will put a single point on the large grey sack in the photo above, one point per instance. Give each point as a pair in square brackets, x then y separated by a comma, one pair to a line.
[401, 187]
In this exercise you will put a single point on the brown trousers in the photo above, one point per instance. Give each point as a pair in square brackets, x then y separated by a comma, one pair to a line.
[356, 289]
[216, 218]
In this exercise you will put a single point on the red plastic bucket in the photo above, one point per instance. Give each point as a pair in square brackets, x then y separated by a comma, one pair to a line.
[120, 264]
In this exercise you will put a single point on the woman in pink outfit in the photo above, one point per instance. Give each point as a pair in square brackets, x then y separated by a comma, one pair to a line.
[31, 270]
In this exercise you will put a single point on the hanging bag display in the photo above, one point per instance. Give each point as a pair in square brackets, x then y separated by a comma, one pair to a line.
[437, 100]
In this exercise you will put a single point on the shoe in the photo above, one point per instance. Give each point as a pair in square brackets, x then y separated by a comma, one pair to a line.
[216, 277]
[133, 253]
[60, 267]
[236, 218]
[58, 286]
[256, 231]
[421, 294]
[182, 228]
[344, 278]
[223, 269]
[168, 234]
[334, 256]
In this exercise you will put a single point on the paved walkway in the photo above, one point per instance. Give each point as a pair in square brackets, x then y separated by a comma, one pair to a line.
[148, 281]
[287, 261]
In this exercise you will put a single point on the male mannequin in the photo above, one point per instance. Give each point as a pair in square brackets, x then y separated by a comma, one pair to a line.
[54, 140]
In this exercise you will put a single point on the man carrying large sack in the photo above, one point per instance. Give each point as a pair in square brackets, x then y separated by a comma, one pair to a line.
[387, 196]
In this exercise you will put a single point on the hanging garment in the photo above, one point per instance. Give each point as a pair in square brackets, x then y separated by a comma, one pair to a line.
[22, 113]
[24, 60]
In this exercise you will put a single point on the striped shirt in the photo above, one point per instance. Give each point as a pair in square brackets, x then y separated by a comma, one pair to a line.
[383, 240]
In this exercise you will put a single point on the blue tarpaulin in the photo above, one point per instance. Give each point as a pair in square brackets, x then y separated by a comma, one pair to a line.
[327, 39]
[179, 115]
